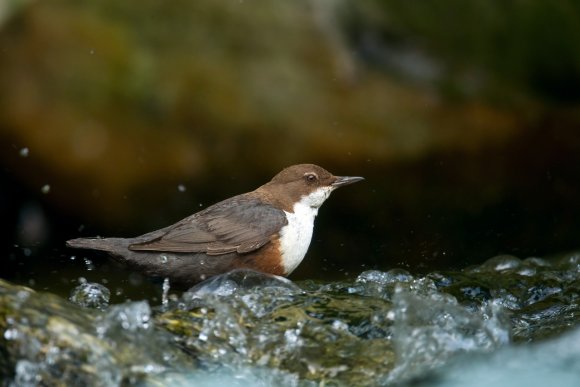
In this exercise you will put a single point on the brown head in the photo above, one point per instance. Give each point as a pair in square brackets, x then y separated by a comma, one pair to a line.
[308, 183]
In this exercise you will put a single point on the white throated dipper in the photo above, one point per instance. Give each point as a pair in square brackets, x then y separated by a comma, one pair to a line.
[268, 230]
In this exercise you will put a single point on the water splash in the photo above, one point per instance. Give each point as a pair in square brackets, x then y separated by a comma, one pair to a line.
[556, 362]
[128, 317]
[165, 293]
[430, 327]
[24, 152]
[382, 327]
[91, 295]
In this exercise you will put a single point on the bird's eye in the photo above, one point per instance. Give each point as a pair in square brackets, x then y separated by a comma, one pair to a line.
[310, 177]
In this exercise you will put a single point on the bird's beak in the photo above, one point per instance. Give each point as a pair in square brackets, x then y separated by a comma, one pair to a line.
[345, 180]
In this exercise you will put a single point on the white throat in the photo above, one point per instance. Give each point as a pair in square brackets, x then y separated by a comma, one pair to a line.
[295, 237]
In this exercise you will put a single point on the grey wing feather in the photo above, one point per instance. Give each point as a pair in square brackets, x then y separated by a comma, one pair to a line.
[241, 224]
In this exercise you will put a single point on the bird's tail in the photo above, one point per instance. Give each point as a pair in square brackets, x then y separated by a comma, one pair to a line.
[110, 245]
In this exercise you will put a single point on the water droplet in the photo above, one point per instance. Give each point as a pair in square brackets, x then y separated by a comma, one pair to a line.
[131, 316]
[24, 152]
[166, 286]
[181, 188]
[45, 189]
[89, 264]
[11, 334]
[340, 325]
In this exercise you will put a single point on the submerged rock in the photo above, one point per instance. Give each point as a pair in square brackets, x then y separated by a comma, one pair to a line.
[542, 296]
[350, 333]
[47, 340]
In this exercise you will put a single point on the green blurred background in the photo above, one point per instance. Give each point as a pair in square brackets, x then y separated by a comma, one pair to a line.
[117, 118]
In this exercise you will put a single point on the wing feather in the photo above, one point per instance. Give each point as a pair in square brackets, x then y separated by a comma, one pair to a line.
[241, 224]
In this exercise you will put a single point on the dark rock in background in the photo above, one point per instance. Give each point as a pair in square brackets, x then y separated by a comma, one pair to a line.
[117, 119]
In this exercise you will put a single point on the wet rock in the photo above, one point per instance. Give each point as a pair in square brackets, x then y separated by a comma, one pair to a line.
[382, 327]
[540, 294]
[49, 341]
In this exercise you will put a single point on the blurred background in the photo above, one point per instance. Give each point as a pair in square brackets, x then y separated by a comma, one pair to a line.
[117, 118]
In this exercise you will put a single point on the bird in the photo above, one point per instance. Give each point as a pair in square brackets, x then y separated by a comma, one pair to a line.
[267, 230]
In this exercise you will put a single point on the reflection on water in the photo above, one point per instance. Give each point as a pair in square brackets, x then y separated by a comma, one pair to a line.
[246, 327]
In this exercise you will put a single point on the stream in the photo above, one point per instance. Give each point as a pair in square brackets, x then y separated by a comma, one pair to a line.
[508, 322]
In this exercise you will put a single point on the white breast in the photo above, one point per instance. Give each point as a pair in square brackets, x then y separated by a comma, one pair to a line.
[296, 235]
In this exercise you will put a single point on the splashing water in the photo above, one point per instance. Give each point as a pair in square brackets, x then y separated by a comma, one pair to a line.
[165, 293]
[250, 328]
[91, 295]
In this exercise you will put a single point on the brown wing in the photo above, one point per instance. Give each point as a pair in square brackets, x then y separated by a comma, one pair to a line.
[241, 224]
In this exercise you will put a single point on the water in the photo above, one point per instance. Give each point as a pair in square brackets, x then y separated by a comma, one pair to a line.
[556, 362]
[91, 295]
[505, 322]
